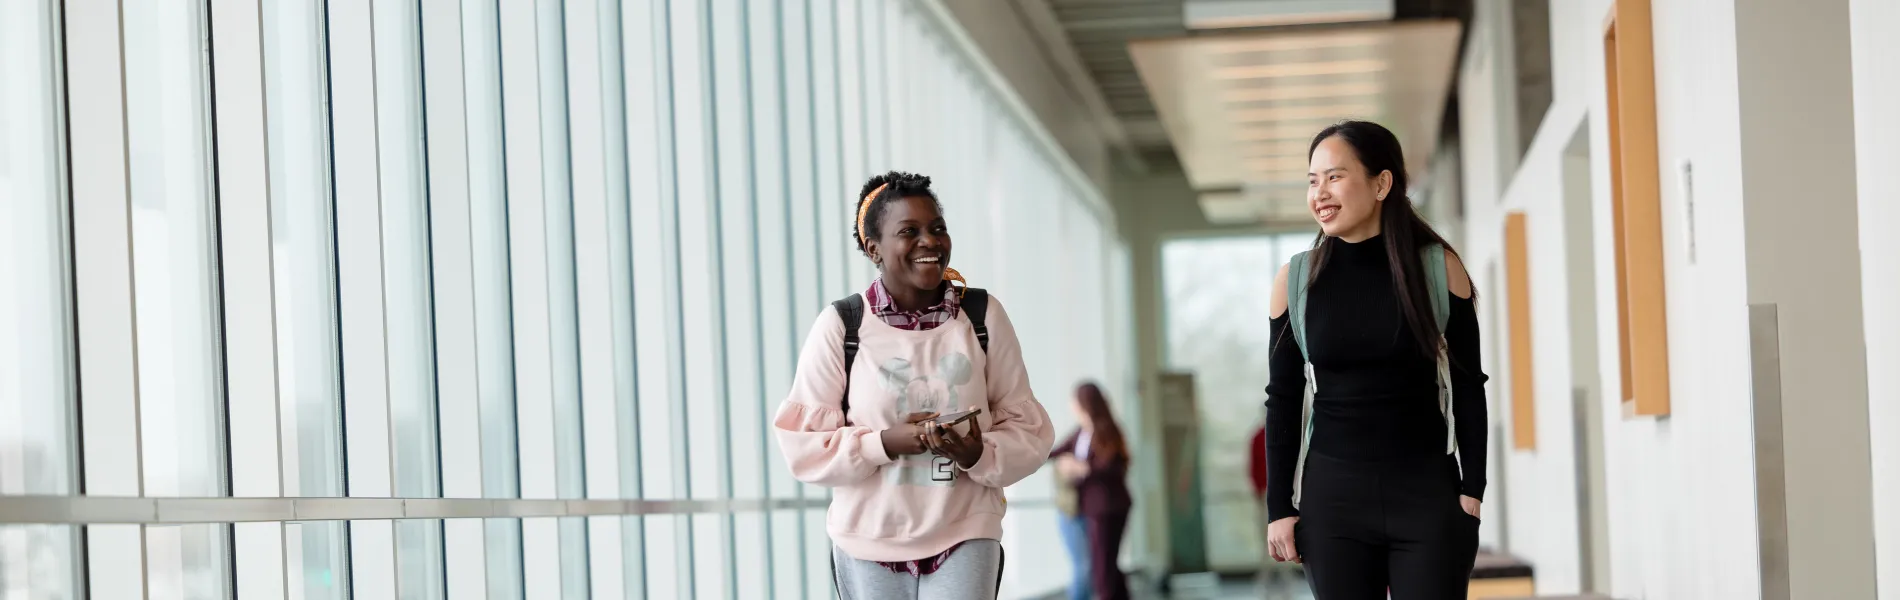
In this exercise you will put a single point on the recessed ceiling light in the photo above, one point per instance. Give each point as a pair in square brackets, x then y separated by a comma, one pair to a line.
[1216, 14]
[1336, 111]
[1339, 90]
[1302, 131]
[1286, 43]
[1295, 150]
[1278, 165]
[1340, 67]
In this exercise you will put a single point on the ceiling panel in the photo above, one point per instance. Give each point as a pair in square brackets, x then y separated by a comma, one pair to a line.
[1239, 109]
[1100, 31]
[1236, 107]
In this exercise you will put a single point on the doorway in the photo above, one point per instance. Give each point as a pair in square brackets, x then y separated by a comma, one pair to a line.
[1587, 400]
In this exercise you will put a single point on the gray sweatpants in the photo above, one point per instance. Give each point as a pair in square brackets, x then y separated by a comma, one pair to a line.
[973, 573]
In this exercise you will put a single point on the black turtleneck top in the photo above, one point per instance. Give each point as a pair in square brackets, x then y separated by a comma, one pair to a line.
[1377, 400]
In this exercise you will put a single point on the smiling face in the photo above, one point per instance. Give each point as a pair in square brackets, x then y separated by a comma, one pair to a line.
[1345, 199]
[913, 243]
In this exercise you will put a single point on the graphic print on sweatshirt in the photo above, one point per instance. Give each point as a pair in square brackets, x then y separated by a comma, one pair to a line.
[917, 392]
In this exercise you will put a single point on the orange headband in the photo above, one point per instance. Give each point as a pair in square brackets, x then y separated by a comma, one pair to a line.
[864, 207]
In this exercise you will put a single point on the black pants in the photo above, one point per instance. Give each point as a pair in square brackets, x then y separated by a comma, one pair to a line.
[1105, 544]
[1366, 527]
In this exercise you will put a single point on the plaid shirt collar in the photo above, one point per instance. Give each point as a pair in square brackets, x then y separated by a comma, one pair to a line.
[879, 300]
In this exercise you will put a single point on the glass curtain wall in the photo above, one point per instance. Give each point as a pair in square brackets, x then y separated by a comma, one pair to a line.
[37, 376]
[544, 254]
[1228, 363]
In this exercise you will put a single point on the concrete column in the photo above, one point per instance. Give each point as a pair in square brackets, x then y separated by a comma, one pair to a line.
[1144, 249]
[1803, 254]
[1877, 150]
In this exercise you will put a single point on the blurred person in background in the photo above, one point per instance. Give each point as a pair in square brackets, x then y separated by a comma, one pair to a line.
[1376, 417]
[918, 504]
[1095, 459]
[1257, 464]
[1257, 475]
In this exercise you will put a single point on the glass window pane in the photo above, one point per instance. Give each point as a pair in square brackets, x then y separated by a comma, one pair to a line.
[186, 562]
[173, 239]
[407, 287]
[36, 562]
[173, 243]
[558, 193]
[562, 302]
[302, 235]
[316, 561]
[406, 249]
[494, 333]
[741, 433]
[699, 266]
[837, 188]
[36, 364]
[419, 567]
[615, 108]
[503, 540]
[1225, 361]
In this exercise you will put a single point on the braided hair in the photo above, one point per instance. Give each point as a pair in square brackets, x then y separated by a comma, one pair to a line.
[876, 196]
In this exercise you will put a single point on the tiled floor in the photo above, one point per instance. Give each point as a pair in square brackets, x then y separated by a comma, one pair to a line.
[1288, 586]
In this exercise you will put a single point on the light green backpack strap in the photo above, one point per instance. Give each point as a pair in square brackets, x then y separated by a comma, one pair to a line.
[1438, 284]
[1296, 273]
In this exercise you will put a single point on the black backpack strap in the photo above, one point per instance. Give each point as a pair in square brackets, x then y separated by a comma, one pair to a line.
[851, 311]
[976, 304]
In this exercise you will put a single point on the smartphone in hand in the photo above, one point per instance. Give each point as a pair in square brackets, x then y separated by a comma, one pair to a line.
[948, 419]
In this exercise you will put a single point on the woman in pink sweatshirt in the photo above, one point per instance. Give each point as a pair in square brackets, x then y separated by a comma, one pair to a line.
[918, 508]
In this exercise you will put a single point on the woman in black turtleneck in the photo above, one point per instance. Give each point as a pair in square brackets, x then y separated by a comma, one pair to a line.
[1381, 504]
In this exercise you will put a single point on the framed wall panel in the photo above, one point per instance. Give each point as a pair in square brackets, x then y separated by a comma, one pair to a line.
[1636, 201]
[1517, 277]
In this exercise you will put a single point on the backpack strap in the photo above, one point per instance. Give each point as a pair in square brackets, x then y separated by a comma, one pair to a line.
[1297, 271]
[1296, 274]
[1437, 282]
[976, 304]
[851, 311]
[1438, 285]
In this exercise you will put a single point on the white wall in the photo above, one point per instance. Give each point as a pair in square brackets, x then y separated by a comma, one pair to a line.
[1017, 57]
[1681, 487]
[1877, 148]
[1797, 115]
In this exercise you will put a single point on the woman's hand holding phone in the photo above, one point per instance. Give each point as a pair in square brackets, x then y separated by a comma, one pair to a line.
[966, 449]
[907, 439]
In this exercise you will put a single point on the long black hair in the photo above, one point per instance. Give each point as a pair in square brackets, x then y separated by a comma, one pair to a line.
[1404, 232]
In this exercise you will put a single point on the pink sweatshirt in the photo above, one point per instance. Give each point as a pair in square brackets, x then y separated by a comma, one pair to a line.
[916, 506]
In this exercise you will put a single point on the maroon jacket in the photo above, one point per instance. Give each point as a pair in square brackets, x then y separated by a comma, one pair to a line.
[1104, 491]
